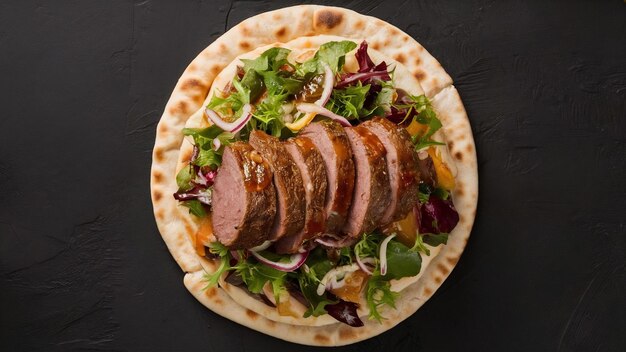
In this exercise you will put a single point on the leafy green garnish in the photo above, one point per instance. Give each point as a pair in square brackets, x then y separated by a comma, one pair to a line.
[331, 53]
[255, 275]
[270, 60]
[419, 245]
[367, 246]
[423, 197]
[402, 261]
[183, 178]
[309, 277]
[426, 116]
[252, 85]
[270, 113]
[435, 239]
[195, 207]
[384, 98]
[348, 102]
[222, 251]
[378, 293]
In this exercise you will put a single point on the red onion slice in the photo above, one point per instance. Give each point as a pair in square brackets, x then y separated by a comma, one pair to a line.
[329, 82]
[383, 254]
[314, 108]
[329, 281]
[326, 243]
[361, 263]
[332, 241]
[234, 126]
[295, 261]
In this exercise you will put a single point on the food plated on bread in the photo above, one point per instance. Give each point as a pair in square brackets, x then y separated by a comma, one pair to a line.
[316, 185]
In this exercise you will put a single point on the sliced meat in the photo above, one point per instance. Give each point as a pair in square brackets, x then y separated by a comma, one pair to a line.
[402, 166]
[288, 182]
[244, 199]
[313, 172]
[371, 191]
[332, 142]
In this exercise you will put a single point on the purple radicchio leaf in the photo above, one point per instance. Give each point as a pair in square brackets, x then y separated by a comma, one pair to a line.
[367, 70]
[345, 312]
[399, 116]
[199, 193]
[437, 216]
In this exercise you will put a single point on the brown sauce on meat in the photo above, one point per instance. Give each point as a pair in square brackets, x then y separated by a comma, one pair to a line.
[372, 144]
[256, 171]
[343, 194]
[305, 144]
[315, 225]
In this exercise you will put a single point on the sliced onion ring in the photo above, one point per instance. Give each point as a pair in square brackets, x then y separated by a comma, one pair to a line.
[263, 246]
[332, 241]
[329, 281]
[361, 263]
[314, 108]
[329, 82]
[383, 254]
[326, 243]
[235, 126]
[295, 261]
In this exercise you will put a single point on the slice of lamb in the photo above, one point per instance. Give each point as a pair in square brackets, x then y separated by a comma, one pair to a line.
[313, 172]
[332, 142]
[288, 182]
[371, 192]
[244, 199]
[402, 165]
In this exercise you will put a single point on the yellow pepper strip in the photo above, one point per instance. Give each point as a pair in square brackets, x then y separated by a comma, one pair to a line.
[301, 123]
[444, 175]
[416, 128]
[203, 235]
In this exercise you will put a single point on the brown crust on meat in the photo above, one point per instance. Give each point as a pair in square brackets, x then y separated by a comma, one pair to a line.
[287, 181]
[260, 205]
[405, 189]
[377, 191]
[341, 191]
[315, 192]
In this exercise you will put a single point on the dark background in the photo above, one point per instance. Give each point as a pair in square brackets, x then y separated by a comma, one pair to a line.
[83, 84]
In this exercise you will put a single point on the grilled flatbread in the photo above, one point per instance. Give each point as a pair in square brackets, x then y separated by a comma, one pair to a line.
[416, 71]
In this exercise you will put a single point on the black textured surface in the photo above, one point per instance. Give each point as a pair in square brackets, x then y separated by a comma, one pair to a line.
[82, 266]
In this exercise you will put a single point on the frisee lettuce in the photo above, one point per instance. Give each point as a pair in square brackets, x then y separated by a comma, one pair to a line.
[348, 102]
[222, 251]
[378, 293]
[426, 116]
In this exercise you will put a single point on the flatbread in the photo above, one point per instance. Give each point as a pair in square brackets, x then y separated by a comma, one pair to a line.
[177, 227]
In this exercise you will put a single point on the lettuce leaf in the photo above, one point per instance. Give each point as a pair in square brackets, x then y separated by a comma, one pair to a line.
[331, 53]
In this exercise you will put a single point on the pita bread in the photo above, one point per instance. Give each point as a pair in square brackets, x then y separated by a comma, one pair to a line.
[423, 73]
